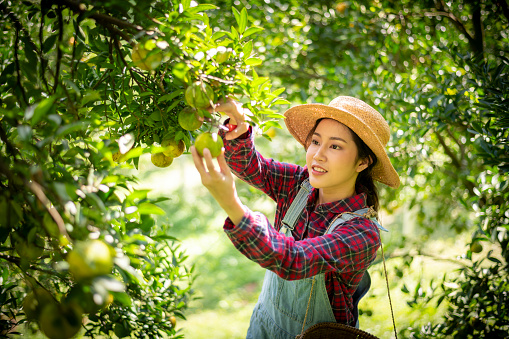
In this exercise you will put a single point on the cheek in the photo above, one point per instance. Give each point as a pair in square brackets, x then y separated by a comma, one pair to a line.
[309, 155]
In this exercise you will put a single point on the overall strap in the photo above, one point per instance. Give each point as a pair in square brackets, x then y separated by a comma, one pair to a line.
[296, 208]
[350, 215]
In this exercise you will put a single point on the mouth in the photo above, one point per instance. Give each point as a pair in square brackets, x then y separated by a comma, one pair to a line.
[318, 170]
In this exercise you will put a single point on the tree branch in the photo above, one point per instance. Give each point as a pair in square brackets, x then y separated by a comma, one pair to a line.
[478, 27]
[448, 151]
[59, 49]
[39, 193]
[457, 22]
[18, 69]
[103, 19]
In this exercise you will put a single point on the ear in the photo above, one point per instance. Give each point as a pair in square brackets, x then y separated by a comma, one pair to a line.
[363, 164]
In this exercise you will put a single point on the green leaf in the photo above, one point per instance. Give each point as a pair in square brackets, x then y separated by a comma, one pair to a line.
[201, 8]
[251, 30]
[247, 49]
[122, 298]
[281, 101]
[49, 43]
[72, 127]
[170, 96]
[42, 109]
[148, 208]
[243, 20]
[217, 35]
[253, 61]
[236, 14]
[234, 34]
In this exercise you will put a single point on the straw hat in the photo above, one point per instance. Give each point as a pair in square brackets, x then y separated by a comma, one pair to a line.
[361, 118]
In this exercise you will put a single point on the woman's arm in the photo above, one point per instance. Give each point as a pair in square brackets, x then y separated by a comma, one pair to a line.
[351, 248]
[276, 179]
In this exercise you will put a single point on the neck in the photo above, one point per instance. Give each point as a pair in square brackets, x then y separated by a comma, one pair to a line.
[329, 195]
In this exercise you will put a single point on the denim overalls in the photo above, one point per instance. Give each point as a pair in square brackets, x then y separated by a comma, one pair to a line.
[282, 304]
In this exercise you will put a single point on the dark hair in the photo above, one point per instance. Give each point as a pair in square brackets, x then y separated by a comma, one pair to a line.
[364, 182]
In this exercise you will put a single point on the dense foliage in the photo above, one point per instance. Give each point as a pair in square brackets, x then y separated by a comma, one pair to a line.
[87, 87]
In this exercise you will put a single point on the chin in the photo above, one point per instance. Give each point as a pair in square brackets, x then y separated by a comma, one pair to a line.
[314, 182]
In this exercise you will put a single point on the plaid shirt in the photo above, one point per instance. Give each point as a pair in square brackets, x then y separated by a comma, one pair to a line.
[343, 255]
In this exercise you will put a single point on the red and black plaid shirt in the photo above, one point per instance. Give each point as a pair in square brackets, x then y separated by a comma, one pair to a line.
[343, 255]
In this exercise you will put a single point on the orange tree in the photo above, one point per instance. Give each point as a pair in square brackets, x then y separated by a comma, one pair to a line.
[86, 88]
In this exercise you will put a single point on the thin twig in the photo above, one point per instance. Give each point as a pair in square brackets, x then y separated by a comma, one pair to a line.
[59, 49]
[39, 193]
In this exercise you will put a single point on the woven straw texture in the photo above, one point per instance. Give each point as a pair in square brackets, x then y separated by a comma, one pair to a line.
[361, 118]
[334, 331]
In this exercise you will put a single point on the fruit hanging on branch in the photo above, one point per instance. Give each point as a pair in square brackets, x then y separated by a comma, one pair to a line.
[161, 160]
[147, 55]
[60, 321]
[212, 141]
[89, 259]
[173, 148]
[190, 119]
[199, 95]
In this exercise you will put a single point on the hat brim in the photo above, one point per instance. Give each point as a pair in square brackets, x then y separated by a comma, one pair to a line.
[301, 119]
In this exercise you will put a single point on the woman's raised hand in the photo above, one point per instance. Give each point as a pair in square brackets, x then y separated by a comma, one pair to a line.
[237, 116]
[219, 182]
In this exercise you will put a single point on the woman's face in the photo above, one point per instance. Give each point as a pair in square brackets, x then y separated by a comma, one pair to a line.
[332, 162]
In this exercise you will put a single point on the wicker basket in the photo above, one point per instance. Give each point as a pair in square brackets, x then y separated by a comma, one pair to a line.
[334, 331]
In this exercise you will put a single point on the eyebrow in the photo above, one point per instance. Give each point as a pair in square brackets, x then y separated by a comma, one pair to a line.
[333, 138]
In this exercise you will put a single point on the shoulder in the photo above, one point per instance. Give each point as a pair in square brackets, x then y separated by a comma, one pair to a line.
[359, 226]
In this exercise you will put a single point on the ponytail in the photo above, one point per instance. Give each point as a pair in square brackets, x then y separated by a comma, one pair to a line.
[365, 182]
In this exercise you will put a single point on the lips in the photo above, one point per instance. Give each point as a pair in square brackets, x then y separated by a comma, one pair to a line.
[318, 169]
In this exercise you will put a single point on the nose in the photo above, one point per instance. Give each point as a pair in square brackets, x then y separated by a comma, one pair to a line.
[320, 154]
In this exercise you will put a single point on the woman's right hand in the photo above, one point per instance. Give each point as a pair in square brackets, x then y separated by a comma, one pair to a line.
[235, 111]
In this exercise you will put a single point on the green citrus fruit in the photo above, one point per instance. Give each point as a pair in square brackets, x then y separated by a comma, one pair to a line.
[173, 321]
[173, 148]
[189, 119]
[212, 141]
[29, 251]
[60, 321]
[88, 298]
[89, 259]
[475, 247]
[161, 160]
[35, 301]
[145, 59]
[199, 95]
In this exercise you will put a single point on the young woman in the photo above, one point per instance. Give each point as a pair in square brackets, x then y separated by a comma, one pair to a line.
[324, 237]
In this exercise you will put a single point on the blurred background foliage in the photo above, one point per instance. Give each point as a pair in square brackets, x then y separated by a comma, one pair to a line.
[436, 70]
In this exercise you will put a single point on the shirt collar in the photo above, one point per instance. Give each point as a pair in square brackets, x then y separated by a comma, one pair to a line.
[350, 204]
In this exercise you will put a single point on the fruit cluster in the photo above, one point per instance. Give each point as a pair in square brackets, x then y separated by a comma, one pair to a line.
[199, 97]
[89, 262]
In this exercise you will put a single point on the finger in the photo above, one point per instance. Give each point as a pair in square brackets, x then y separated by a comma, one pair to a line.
[207, 156]
[223, 165]
[198, 161]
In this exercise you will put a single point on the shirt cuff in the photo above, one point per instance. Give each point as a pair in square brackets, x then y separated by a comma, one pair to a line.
[240, 230]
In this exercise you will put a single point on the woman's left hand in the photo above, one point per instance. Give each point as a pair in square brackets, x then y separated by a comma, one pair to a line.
[219, 182]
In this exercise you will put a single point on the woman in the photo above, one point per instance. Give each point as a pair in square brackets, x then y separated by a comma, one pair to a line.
[323, 240]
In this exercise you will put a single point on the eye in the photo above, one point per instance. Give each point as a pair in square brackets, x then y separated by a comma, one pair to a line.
[336, 147]
[315, 142]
